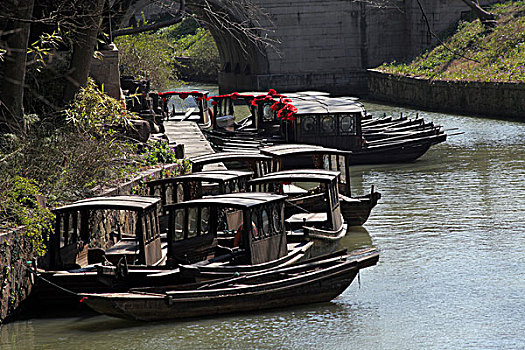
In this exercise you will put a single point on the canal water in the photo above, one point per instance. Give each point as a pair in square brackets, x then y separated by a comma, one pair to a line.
[451, 231]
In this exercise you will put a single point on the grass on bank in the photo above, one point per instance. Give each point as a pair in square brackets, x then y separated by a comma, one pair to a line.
[476, 53]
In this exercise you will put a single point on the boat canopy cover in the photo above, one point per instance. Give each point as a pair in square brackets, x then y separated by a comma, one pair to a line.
[300, 175]
[135, 203]
[326, 105]
[225, 156]
[218, 176]
[297, 149]
[232, 200]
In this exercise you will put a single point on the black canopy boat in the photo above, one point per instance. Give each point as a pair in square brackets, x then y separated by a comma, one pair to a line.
[78, 260]
[196, 185]
[340, 123]
[336, 122]
[248, 228]
[312, 213]
[355, 209]
[92, 231]
[313, 282]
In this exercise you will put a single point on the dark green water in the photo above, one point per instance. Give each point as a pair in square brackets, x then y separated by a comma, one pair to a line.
[451, 230]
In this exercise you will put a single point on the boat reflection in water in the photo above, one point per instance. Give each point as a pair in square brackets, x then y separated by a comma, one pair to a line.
[357, 237]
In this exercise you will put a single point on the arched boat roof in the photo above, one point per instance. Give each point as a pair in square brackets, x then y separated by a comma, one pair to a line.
[300, 149]
[312, 94]
[228, 156]
[219, 176]
[232, 200]
[198, 93]
[299, 175]
[135, 203]
[326, 105]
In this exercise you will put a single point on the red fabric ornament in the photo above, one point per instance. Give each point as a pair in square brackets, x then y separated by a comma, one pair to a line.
[183, 95]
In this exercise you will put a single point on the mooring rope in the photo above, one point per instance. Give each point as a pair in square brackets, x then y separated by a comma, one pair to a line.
[48, 281]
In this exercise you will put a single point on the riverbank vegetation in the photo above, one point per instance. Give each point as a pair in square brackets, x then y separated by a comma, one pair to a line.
[69, 158]
[476, 52]
[165, 56]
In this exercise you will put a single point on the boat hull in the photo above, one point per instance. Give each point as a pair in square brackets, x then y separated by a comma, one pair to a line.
[319, 286]
[356, 210]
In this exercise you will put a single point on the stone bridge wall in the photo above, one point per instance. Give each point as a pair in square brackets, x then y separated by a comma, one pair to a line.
[329, 44]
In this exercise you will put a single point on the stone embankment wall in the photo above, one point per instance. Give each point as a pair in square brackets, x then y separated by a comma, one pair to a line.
[498, 100]
[16, 252]
[15, 279]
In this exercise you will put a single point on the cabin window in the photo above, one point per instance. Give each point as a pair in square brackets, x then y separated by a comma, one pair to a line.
[333, 196]
[147, 232]
[179, 194]
[179, 225]
[193, 222]
[255, 224]
[205, 220]
[309, 124]
[347, 125]
[267, 113]
[265, 223]
[276, 216]
[329, 125]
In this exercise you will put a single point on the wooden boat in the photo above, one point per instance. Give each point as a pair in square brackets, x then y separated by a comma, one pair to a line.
[336, 122]
[312, 213]
[89, 232]
[355, 209]
[211, 234]
[207, 234]
[196, 185]
[309, 283]
[339, 123]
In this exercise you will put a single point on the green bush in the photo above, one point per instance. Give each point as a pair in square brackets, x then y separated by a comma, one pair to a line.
[202, 50]
[19, 207]
[149, 56]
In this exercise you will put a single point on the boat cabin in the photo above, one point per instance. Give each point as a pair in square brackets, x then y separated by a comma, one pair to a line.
[301, 156]
[249, 223]
[326, 121]
[317, 205]
[188, 105]
[117, 227]
[255, 162]
[196, 185]
[235, 112]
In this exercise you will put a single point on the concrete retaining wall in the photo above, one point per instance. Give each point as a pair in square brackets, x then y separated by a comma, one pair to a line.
[498, 100]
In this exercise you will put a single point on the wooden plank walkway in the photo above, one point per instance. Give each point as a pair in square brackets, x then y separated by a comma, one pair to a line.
[190, 135]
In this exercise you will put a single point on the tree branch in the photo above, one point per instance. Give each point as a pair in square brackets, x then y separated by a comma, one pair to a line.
[177, 17]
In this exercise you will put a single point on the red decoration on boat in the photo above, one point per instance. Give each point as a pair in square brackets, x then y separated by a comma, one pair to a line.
[183, 95]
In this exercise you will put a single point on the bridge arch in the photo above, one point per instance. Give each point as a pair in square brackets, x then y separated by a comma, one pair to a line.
[242, 58]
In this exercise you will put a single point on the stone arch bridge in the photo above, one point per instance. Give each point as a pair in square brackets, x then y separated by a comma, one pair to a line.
[328, 44]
